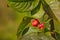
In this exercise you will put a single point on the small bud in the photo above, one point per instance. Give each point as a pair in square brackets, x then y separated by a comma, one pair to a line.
[35, 22]
[41, 26]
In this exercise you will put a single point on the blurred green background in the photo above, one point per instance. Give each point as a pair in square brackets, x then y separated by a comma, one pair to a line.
[8, 23]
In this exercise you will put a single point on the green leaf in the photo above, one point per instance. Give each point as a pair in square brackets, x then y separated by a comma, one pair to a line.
[55, 7]
[57, 26]
[23, 25]
[49, 36]
[36, 9]
[32, 29]
[48, 10]
[37, 36]
[58, 36]
[25, 30]
[23, 6]
[48, 20]
[38, 13]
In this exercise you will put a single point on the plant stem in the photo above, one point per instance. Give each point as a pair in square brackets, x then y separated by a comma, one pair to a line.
[52, 25]
[53, 33]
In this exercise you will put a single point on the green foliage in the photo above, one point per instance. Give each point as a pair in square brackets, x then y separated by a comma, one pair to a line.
[23, 25]
[23, 6]
[25, 30]
[37, 36]
[40, 9]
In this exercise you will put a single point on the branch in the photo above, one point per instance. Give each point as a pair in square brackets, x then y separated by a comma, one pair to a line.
[53, 33]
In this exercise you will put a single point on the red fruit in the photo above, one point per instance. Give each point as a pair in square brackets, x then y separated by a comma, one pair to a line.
[35, 22]
[41, 26]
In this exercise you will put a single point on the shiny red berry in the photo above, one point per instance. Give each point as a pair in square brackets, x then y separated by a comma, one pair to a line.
[41, 26]
[35, 22]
